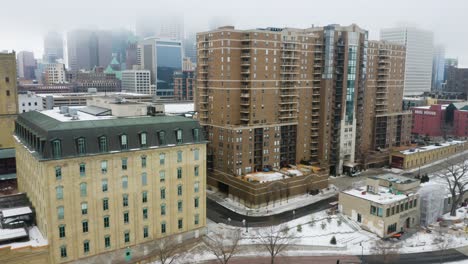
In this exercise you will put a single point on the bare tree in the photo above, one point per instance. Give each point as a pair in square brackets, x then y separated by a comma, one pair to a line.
[275, 240]
[168, 250]
[443, 242]
[385, 252]
[223, 246]
[456, 176]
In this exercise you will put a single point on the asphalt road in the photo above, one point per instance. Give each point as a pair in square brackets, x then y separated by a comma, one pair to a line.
[220, 214]
[421, 258]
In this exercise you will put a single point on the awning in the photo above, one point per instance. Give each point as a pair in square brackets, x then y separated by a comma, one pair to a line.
[350, 164]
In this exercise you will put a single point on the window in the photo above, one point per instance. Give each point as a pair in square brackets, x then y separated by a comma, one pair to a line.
[124, 163]
[388, 212]
[196, 170]
[56, 149]
[179, 206]
[58, 173]
[196, 202]
[179, 136]
[397, 209]
[144, 179]
[180, 224]
[127, 236]
[123, 142]
[145, 232]
[61, 231]
[393, 210]
[145, 213]
[103, 144]
[162, 176]
[144, 197]
[179, 190]
[415, 202]
[125, 200]
[373, 210]
[104, 166]
[163, 227]
[162, 138]
[107, 242]
[143, 140]
[126, 218]
[84, 225]
[86, 246]
[143, 161]
[402, 207]
[179, 173]
[60, 212]
[197, 219]
[179, 156]
[380, 212]
[106, 221]
[81, 146]
[84, 208]
[105, 204]
[196, 154]
[196, 134]
[406, 205]
[125, 182]
[391, 228]
[82, 170]
[196, 187]
[104, 185]
[163, 209]
[162, 158]
[83, 189]
[63, 251]
[59, 192]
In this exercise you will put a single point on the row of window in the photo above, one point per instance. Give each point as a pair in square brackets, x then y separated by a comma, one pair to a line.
[125, 203]
[378, 211]
[107, 238]
[80, 143]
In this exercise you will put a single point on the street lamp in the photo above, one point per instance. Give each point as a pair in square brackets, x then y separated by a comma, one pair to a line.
[294, 214]
[362, 252]
[229, 221]
[245, 225]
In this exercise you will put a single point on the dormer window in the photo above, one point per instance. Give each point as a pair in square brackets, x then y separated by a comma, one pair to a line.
[81, 146]
[123, 142]
[143, 143]
[196, 134]
[162, 138]
[103, 144]
[56, 148]
[179, 136]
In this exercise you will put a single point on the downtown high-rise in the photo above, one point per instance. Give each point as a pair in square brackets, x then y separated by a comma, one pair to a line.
[273, 97]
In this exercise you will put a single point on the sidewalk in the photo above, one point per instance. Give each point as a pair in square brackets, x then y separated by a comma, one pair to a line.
[273, 208]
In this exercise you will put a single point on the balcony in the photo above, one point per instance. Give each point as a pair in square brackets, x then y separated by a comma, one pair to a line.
[245, 55]
[245, 95]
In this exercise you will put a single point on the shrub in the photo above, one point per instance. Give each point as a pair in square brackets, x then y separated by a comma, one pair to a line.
[299, 228]
[329, 219]
[323, 225]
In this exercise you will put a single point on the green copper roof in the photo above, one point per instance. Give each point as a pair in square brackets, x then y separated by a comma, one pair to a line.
[114, 61]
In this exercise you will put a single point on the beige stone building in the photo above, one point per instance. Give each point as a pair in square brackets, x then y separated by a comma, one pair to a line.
[101, 181]
[382, 124]
[8, 99]
[386, 205]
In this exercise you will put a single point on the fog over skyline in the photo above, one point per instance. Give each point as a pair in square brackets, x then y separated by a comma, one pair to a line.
[25, 22]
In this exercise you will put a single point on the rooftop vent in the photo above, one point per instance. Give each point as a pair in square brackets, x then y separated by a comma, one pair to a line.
[63, 109]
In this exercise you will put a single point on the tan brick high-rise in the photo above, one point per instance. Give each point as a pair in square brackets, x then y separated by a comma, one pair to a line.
[382, 124]
[8, 99]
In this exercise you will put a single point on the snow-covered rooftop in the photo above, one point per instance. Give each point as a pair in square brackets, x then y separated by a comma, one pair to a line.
[6, 234]
[384, 196]
[431, 147]
[55, 113]
[16, 211]
[179, 108]
[35, 238]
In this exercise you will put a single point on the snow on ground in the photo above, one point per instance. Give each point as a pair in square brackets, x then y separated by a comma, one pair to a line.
[274, 207]
[461, 214]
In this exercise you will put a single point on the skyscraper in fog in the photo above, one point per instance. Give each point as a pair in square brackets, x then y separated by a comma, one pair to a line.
[419, 54]
[168, 27]
[438, 68]
[88, 48]
[162, 57]
[53, 47]
[26, 65]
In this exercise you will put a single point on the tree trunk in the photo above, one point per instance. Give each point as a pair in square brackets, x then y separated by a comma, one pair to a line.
[272, 260]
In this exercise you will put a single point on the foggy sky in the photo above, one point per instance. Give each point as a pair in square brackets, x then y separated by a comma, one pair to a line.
[24, 22]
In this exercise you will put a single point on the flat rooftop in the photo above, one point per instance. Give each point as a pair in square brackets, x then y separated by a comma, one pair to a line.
[394, 178]
[384, 196]
[431, 147]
